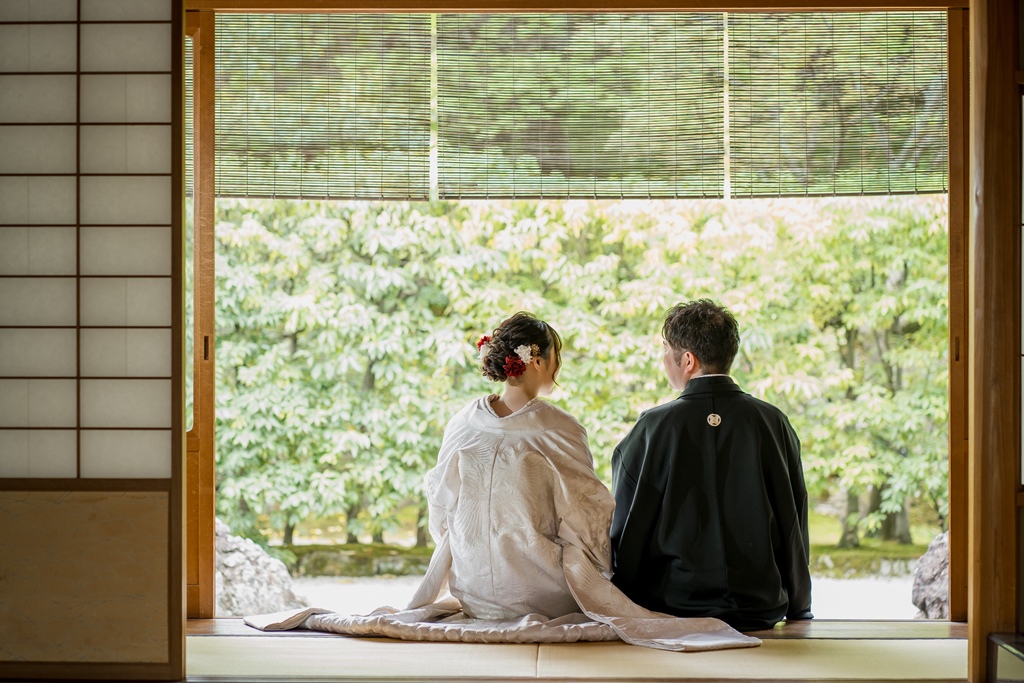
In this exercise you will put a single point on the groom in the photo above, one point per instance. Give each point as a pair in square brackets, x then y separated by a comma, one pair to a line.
[710, 502]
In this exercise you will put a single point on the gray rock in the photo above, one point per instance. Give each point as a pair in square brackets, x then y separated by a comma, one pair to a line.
[931, 580]
[248, 580]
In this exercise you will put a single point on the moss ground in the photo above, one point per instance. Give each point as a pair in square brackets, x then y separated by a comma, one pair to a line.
[874, 557]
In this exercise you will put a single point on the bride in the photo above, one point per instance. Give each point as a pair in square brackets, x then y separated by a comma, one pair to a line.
[515, 482]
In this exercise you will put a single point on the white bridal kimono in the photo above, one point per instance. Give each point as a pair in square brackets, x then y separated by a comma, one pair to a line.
[520, 523]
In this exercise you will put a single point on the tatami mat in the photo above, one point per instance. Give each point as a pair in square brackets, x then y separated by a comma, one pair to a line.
[341, 658]
[348, 658]
[889, 660]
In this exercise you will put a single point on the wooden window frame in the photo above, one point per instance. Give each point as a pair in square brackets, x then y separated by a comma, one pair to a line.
[200, 472]
[959, 216]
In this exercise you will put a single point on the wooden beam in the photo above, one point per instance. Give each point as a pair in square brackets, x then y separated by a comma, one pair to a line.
[31, 484]
[483, 6]
[959, 333]
[995, 408]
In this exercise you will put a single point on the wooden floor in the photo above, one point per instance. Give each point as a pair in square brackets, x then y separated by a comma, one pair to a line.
[225, 650]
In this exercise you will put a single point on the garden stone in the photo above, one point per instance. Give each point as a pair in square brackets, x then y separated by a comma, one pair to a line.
[248, 580]
[931, 580]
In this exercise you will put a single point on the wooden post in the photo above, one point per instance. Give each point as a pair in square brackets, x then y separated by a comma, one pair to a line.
[201, 499]
[995, 405]
[959, 332]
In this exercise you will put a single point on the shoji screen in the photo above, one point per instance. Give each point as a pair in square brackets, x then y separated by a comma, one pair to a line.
[90, 357]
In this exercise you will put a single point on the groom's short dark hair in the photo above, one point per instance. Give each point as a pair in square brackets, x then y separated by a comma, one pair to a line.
[705, 329]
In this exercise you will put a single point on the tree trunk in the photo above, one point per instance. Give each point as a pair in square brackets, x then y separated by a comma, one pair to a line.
[896, 526]
[421, 526]
[887, 529]
[901, 525]
[849, 537]
[369, 381]
[289, 534]
[874, 505]
[378, 536]
[350, 518]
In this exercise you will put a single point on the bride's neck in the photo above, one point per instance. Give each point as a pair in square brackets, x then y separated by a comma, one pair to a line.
[513, 399]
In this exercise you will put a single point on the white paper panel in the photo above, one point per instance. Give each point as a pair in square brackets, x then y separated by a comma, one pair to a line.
[148, 98]
[14, 48]
[14, 251]
[149, 149]
[37, 149]
[37, 251]
[148, 301]
[148, 353]
[28, 200]
[52, 453]
[126, 251]
[53, 47]
[104, 353]
[103, 149]
[14, 403]
[102, 302]
[38, 10]
[51, 200]
[103, 99]
[38, 99]
[132, 302]
[126, 403]
[52, 251]
[126, 10]
[126, 454]
[126, 353]
[13, 453]
[52, 403]
[126, 47]
[14, 200]
[38, 301]
[119, 200]
[126, 149]
[38, 353]
[135, 98]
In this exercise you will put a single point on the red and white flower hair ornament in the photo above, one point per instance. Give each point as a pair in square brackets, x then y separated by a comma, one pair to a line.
[484, 346]
[527, 352]
[516, 365]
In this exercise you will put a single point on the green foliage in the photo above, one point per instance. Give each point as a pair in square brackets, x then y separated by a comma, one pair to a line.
[346, 334]
[868, 384]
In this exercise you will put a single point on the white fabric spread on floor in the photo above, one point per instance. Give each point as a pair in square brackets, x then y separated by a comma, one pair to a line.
[445, 621]
[530, 537]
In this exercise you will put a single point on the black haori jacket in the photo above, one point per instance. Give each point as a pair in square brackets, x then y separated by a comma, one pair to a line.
[711, 509]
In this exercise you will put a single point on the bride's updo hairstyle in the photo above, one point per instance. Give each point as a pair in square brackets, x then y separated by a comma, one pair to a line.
[522, 329]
